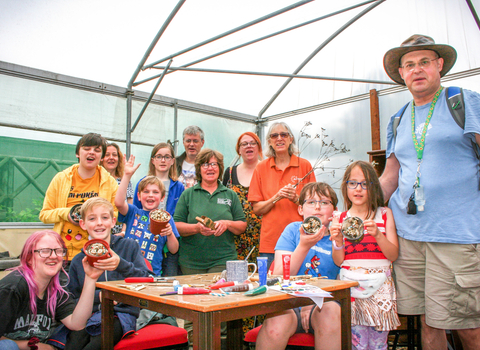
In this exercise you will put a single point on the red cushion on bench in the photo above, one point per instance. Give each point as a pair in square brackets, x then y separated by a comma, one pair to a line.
[153, 336]
[298, 339]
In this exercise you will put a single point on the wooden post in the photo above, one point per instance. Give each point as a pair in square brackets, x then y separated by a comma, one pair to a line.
[376, 156]
[375, 120]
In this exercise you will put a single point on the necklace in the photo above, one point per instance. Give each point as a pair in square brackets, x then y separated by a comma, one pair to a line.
[419, 146]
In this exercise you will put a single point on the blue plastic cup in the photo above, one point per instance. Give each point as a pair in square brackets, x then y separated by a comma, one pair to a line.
[262, 269]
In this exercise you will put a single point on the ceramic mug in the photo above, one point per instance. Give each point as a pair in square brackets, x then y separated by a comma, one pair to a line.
[237, 270]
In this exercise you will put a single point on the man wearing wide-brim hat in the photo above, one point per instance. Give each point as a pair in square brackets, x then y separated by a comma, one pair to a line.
[432, 179]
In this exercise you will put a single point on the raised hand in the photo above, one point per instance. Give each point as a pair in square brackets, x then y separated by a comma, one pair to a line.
[130, 166]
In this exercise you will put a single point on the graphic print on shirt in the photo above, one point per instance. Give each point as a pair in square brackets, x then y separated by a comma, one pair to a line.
[312, 266]
[146, 240]
[26, 328]
[224, 201]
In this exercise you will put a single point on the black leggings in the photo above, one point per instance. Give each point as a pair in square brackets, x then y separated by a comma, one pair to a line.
[82, 340]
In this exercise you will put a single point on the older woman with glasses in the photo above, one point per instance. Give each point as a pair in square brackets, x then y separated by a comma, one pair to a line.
[33, 298]
[275, 187]
[205, 249]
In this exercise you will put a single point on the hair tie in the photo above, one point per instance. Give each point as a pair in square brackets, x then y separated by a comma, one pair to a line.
[32, 343]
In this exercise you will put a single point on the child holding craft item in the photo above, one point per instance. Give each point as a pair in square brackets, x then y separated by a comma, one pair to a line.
[311, 253]
[123, 260]
[150, 193]
[374, 308]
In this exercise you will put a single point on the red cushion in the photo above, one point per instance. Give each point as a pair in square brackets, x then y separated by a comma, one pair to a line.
[153, 336]
[298, 339]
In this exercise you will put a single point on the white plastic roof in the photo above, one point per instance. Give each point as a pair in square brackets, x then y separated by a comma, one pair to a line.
[105, 41]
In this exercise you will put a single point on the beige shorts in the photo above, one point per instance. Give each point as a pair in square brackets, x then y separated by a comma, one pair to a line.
[440, 280]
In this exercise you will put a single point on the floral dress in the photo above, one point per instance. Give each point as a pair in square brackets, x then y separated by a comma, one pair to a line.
[251, 237]
[248, 239]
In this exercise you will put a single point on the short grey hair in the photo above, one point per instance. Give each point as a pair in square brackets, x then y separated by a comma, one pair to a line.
[193, 130]
[292, 149]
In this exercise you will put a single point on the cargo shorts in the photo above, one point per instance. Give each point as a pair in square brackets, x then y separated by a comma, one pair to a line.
[439, 280]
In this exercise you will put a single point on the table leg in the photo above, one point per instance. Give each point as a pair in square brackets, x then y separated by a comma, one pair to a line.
[107, 322]
[206, 331]
[235, 335]
[346, 319]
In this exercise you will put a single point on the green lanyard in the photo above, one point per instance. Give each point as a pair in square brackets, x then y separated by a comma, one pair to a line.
[420, 146]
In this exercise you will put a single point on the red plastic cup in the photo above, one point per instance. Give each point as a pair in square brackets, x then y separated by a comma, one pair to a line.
[91, 258]
[157, 225]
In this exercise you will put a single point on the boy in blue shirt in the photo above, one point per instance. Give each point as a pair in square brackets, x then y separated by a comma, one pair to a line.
[150, 192]
[310, 254]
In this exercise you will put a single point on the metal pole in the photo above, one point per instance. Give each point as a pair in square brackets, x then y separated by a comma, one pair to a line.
[231, 31]
[137, 71]
[317, 50]
[154, 42]
[474, 13]
[175, 127]
[270, 36]
[150, 97]
[300, 76]
[128, 145]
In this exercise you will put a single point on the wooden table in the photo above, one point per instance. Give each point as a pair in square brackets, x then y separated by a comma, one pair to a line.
[207, 312]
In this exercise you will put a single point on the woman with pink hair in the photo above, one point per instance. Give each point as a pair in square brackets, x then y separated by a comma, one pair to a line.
[32, 297]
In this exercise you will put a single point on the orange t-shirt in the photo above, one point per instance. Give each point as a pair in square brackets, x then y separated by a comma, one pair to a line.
[267, 180]
[81, 190]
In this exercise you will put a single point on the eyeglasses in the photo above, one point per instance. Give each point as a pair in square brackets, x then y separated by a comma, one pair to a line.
[283, 135]
[47, 252]
[312, 203]
[165, 157]
[195, 141]
[351, 184]
[425, 63]
[251, 143]
[214, 165]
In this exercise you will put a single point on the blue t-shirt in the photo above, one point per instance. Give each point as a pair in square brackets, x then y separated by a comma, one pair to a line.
[138, 228]
[449, 174]
[318, 262]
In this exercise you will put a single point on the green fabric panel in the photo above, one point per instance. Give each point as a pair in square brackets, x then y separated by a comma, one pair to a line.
[32, 156]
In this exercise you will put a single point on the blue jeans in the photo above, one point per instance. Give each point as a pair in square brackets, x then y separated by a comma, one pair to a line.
[7, 344]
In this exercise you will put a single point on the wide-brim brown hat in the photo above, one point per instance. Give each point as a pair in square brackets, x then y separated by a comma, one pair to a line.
[391, 60]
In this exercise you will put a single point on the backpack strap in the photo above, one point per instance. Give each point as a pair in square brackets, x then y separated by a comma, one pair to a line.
[397, 119]
[456, 104]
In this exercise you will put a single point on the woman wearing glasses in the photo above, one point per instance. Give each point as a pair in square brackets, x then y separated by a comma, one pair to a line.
[162, 165]
[275, 186]
[238, 179]
[32, 298]
[204, 249]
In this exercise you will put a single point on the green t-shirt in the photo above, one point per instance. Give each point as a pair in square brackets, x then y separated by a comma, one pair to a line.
[198, 251]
